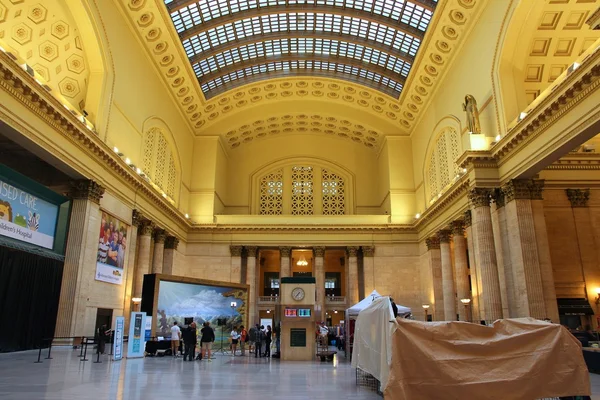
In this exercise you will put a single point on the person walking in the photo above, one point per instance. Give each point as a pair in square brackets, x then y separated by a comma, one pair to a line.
[243, 339]
[268, 339]
[252, 333]
[208, 337]
[175, 337]
[235, 338]
[257, 346]
[189, 340]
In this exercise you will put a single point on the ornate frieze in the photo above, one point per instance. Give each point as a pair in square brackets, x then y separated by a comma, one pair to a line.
[319, 251]
[432, 243]
[171, 242]
[517, 189]
[578, 197]
[368, 251]
[160, 235]
[467, 217]
[285, 251]
[444, 235]
[86, 189]
[480, 197]
[352, 250]
[458, 227]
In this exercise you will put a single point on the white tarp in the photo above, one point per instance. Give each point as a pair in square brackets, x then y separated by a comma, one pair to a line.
[361, 305]
[373, 331]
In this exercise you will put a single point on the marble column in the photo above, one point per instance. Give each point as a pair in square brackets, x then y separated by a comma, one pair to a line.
[286, 267]
[475, 295]
[587, 243]
[159, 250]
[170, 251]
[485, 256]
[503, 259]
[251, 278]
[447, 275]
[143, 262]
[541, 236]
[369, 268]
[461, 271]
[80, 255]
[434, 257]
[131, 249]
[320, 278]
[527, 279]
[235, 273]
[352, 292]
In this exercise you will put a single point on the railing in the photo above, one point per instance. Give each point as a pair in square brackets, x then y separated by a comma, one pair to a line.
[335, 299]
[268, 299]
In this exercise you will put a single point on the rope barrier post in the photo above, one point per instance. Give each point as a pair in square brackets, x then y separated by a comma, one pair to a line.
[85, 351]
[39, 355]
[112, 338]
[49, 349]
[81, 352]
[98, 353]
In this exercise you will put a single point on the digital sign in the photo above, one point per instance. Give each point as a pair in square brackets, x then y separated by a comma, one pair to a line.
[300, 312]
[304, 312]
[291, 312]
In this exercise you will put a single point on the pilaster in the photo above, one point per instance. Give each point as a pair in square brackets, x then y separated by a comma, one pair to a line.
[320, 278]
[236, 264]
[368, 268]
[505, 274]
[286, 268]
[434, 257]
[475, 294]
[352, 275]
[461, 270]
[145, 229]
[251, 278]
[131, 248]
[447, 275]
[159, 249]
[170, 250]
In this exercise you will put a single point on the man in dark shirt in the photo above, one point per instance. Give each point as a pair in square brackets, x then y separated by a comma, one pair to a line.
[189, 340]
[208, 337]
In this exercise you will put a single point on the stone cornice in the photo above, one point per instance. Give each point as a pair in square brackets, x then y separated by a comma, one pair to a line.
[22, 87]
[594, 20]
[458, 190]
[477, 159]
[577, 162]
[387, 228]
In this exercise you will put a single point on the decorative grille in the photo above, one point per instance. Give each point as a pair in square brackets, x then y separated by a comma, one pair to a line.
[148, 154]
[302, 191]
[442, 167]
[172, 177]
[271, 193]
[334, 199]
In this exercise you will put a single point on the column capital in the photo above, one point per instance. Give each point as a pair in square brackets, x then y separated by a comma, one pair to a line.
[285, 251]
[517, 189]
[86, 189]
[480, 197]
[432, 243]
[319, 251]
[537, 187]
[352, 250]
[444, 235]
[468, 218]
[458, 227]
[137, 218]
[171, 242]
[252, 251]
[146, 227]
[499, 197]
[159, 235]
[578, 197]
[368, 251]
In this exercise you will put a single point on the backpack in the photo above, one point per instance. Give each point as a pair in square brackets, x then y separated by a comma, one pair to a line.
[261, 336]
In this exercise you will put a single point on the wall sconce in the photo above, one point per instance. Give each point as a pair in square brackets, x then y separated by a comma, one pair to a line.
[465, 301]
[425, 307]
[597, 295]
[268, 311]
[136, 300]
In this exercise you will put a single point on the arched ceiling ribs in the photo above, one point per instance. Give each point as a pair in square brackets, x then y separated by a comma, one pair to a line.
[301, 9]
[346, 68]
[341, 37]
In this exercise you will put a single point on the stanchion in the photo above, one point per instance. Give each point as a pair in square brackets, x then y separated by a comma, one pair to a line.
[98, 358]
[111, 343]
[81, 352]
[85, 351]
[49, 349]
[39, 355]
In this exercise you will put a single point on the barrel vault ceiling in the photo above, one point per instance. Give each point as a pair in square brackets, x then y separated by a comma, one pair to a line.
[249, 69]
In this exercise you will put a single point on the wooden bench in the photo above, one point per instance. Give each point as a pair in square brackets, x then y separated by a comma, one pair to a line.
[326, 355]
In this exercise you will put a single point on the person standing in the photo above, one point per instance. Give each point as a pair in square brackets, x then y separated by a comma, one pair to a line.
[235, 338]
[208, 336]
[257, 346]
[243, 339]
[268, 340]
[175, 337]
[189, 340]
[262, 338]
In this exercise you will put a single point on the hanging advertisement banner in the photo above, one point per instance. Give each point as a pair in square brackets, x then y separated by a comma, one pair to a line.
[26, 217]
[118, 338]
[112, 249]
[137, 344]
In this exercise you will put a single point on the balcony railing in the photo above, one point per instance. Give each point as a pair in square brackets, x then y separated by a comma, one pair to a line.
[268, 299]
[335, 300]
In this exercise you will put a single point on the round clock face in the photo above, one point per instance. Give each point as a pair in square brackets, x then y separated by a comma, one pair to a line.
[298, 294]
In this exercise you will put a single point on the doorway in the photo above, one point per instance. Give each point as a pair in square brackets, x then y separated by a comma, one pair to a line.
[103, 316]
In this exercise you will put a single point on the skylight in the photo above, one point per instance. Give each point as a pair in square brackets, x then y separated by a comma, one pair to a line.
[232, 42]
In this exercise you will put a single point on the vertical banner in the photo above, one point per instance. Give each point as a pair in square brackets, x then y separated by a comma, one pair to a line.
[148, 329]
[137, 344]
[118, 338]
[112, 248]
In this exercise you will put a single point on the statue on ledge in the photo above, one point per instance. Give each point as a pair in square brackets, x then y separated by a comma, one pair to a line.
[470, 107]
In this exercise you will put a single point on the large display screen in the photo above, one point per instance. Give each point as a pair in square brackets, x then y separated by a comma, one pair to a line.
[112, 248]
[178, 300]
[26, 217]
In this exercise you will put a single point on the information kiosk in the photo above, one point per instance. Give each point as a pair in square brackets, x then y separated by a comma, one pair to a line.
[297, 308]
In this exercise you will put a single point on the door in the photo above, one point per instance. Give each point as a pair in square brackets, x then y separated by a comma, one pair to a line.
[103, 316]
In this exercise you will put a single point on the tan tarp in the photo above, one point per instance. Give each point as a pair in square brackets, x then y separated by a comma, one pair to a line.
[520, 359]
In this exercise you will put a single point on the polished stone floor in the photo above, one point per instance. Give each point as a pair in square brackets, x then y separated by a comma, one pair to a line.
[65, 377]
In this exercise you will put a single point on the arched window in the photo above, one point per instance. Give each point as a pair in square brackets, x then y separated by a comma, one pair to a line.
[442, 168]
[158, 162]
[302, 189]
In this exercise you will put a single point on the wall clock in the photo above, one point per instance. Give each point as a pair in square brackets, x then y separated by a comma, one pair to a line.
[298, 294]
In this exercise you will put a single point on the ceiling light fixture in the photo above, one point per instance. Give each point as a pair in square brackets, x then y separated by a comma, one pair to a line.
[302, 262]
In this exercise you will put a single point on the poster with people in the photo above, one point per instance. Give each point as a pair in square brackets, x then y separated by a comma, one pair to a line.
[112, 248]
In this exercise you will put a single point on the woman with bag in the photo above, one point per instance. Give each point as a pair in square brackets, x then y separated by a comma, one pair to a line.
[235, 337]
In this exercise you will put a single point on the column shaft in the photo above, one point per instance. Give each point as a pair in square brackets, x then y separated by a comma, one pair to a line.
[475, 295]
[460, 267]
[447, 276]
[352, 275]
[143, 262]
[320, 278]
[286, 268]
[486, 254]
[369, 269]
[503, 259]
[159, 250]
[130, 267]
[251, 278]
[170, 252]
[235, 275]
[434, 257]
